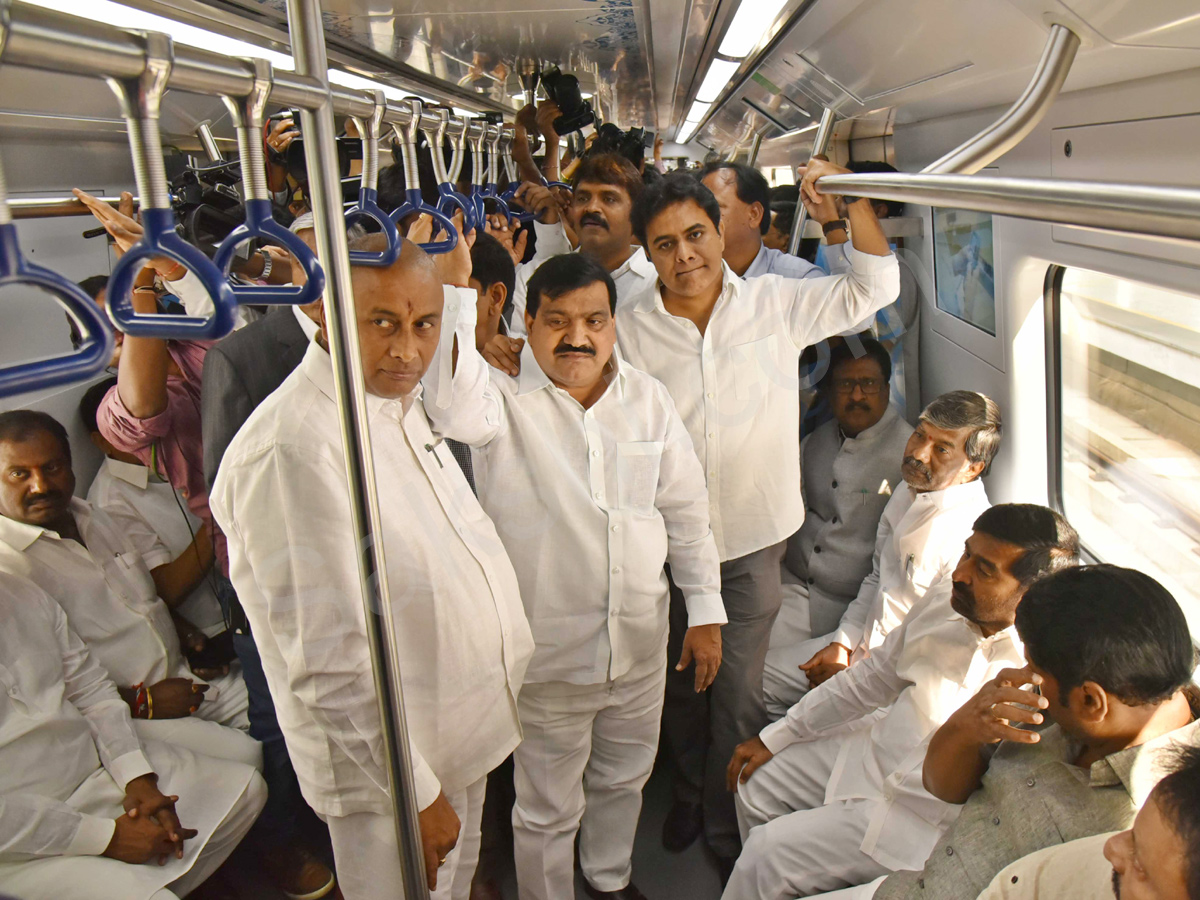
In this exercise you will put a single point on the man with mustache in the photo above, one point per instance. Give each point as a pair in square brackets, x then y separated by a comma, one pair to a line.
[919, 535]
[832, 795]
[851, 468]
[591, 478]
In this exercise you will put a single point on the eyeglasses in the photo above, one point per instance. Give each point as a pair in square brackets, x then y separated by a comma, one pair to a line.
[868, 386]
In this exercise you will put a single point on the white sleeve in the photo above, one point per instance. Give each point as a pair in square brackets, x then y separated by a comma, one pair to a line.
[551, 241]
[818, 308]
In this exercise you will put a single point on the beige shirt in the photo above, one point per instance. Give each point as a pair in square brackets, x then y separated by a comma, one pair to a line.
[1073, 871]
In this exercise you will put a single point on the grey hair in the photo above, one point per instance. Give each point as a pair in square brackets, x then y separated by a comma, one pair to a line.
[969, 409]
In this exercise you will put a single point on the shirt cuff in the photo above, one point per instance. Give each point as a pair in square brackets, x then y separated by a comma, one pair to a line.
[705, 609]
[156, 558]
[778, 736]
[129, 766]
[93, 837]
[426, 784]
[192, 295]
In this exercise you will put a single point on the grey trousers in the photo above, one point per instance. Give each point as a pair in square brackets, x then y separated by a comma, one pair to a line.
[701, 730]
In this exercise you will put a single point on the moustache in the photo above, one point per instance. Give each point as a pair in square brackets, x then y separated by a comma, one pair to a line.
[567, 348]
[592, 219]
[51, 497]
[916, 465]
[859, 404]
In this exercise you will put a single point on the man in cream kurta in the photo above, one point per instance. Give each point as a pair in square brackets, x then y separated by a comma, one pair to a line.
[463, 641]
[69, 759]
[591, 478]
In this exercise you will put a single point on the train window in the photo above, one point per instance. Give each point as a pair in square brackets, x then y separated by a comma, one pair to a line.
[964, 266]
[1127, 424]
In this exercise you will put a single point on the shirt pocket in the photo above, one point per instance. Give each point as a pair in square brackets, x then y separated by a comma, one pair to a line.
[128, 576]
[637, 474]
[760, 367]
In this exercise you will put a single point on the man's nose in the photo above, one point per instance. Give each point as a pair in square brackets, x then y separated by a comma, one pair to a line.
[404, 348]
[856, 390]
[38, 483]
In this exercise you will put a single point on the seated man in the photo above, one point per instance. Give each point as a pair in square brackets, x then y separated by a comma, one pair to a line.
[1111, 660]
[920, 535]
[831, 795]
[860, 451]
[463, 641]
[87, 811]
[1158, 858]
[590, 476]
[112, 576]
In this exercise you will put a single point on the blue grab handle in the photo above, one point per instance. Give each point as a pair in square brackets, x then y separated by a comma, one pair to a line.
[93, 354]
[368, 206]
[508, 196]
[159, 238]
[260, 223]
[490, 192]
[451, 200]
[416, 204]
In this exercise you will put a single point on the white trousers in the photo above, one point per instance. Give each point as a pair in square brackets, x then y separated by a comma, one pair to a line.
[586, 754]
[368, 858]
[796, 845]
[227, 701]
[783, 682]
[203, 737]
[793, 624]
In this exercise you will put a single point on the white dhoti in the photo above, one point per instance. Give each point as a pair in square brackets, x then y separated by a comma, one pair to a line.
[227, 702]
[783, 682]
[203, 737]
[795, 844]
[219, 798]
[368, 859]
[586, 754]
[793, 624]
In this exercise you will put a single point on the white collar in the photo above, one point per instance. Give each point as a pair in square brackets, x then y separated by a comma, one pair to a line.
[130, 473]
[307, 325]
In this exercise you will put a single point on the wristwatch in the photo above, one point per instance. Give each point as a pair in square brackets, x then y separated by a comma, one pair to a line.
[267, 263]
[835, 225]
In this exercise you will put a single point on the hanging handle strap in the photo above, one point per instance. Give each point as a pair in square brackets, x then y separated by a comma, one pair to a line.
[368, 191]
[95, 349]
[247, 116]
[507, 136]
[434, 122]
[415, 202]
[490, 190]
[141, 104]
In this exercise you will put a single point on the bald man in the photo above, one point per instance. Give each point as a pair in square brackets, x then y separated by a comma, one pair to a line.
[463, 641]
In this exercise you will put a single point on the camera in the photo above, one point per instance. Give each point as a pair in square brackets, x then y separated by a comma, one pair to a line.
[564, 91]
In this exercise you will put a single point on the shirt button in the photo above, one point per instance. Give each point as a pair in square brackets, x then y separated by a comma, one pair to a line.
[996, 821]
[598, 495]
[616, 570]
[595, 453]
[616, 528]
[1031, 782]
[712, 474]
[921, 883]
[712, 435]
[835, 485]
[834, 520]
[817, 549]
[1015, 879]
[949, 851]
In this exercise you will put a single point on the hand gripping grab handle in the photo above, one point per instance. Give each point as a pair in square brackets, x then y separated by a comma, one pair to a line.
[96, 348]
[368, 192]
[141, 101]
[247, 116]
[433, 123]
[415, 203]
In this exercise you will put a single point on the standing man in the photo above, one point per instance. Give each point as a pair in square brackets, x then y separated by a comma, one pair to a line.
[745, 200]
[728, 351]
[851, 466]
[590, 476]
[919, 538]
[463, 641]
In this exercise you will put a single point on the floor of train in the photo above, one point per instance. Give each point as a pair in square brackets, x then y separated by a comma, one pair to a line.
[658, 874]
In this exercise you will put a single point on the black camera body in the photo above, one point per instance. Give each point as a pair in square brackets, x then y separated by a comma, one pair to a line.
[564, 90]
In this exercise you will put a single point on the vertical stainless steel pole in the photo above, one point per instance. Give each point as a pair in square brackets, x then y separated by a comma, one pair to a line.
[325, 189]
[754, 148]
[820, 145]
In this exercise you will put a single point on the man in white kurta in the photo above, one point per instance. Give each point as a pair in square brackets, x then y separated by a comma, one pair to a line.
[920, 538]
[832, 794]
[463, 641]
[588, 472]
[98, 566]
[70, 758]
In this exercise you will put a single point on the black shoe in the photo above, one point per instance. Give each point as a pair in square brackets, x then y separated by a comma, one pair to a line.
[684, 823]
[629, 892]
[725, 866]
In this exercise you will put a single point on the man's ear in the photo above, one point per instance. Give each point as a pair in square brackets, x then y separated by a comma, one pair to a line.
[756, 215]
[973, 471]
[528, 323]
[1090, 702]
[497, 295]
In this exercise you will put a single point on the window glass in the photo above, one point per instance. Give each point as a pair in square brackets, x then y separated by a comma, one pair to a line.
[1129, 382]
[964, 266]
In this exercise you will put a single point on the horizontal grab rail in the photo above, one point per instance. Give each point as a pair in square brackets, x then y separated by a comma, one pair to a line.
[1171, 212]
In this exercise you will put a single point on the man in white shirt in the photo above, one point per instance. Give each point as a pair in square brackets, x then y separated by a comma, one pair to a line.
[832, 795]
[115, 581]
[605, 189]
[464, 643]
[919, 538]
[728, 351]
[590, 476]
[745, 200]
[87, 811]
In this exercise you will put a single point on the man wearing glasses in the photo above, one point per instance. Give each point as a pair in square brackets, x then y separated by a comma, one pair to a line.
[851, 467]
[919, 539]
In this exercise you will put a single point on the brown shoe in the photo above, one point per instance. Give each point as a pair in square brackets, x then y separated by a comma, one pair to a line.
[299, 874]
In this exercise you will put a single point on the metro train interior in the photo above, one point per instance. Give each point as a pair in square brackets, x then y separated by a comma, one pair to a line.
[1048, 172]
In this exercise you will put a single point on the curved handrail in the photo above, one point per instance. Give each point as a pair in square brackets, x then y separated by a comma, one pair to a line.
[433, 123]
[141, 102]
[93, 353]
[368, 192]
[490, 188]
[247, 117]
[509, 195]
[415, 202]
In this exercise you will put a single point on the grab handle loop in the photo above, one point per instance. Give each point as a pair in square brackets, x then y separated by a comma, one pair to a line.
[368, 192]
[415, 202]
[141, 103]
[433, 123]
[247, 116]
